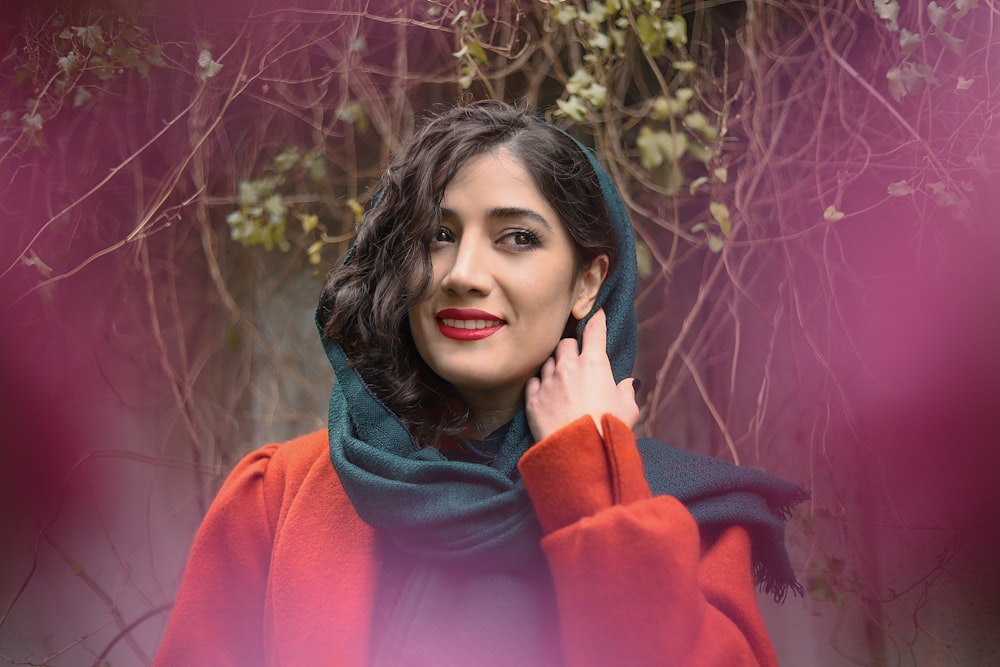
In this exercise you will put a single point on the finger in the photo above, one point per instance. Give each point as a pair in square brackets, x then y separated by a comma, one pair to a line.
[595, 335]
[565, 349]
[531, 389]
[548, 370]
[626, 391]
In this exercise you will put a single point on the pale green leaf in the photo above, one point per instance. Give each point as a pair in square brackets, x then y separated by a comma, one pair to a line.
[309, 221]
[721, 174]
[720, 212]
[914, 73]
[673, 145]
[697, 183]
[207, 68]
[563, 14]
[675, 30]
[595, 15]
[69, 62]
[599, 41]
[899, 189]
[356, 209]
[355, 113]
[650, 31]
[479, 20]
[275, 208]
[573, 108]
[650, 155]
[154, 56]
[478, 53]
[937, 14]
[466, 78]
[700, 152]
[661, 108]
[715, 243]
[617, 39]
[952, 43]
[81, 97]
[896, 87]
[962, 7]
[596, 94]
[697, 122]
[31, 122]
[643, 259]
[832, 214]
[888, 11]
[908, 42]
[286, 159]
[683, 96]
[581, 79]
[314, 252]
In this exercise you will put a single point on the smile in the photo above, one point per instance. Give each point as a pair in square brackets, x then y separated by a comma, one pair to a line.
[469, 329]
[468, 324]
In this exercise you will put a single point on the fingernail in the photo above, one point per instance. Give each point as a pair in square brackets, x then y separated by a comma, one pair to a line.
[636, 384]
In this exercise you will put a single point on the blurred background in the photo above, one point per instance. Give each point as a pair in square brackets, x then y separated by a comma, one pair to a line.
[813, 184]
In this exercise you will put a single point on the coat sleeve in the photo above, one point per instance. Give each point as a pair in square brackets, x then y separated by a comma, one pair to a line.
[636, 584]
[218, 615]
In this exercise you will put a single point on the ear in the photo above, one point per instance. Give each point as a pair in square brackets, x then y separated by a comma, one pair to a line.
[588, 283]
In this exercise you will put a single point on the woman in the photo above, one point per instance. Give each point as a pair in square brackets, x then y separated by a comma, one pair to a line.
[487, 502]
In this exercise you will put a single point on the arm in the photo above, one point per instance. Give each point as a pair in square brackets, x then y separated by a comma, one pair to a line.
[217, 618]
[635, 582]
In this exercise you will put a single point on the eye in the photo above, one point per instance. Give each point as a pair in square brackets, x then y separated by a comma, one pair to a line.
[522, 239]
[443, 235]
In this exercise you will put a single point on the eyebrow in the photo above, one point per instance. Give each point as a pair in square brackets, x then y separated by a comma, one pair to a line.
[505, 213]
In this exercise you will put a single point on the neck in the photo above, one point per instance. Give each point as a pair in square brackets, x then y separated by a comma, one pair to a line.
[490, 411]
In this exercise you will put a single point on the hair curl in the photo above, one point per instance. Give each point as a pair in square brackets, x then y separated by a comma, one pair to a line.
[364, 303]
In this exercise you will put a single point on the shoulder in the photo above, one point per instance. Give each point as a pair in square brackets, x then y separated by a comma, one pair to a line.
[278, 462]
[274, 473]
[299, 454]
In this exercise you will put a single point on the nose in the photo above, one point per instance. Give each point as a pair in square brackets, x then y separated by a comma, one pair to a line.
[467, 267]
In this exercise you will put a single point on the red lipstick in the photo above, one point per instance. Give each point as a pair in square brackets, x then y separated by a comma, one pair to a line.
[468, 323]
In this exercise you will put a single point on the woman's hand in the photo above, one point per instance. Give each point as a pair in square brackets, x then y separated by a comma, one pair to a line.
[573, 384]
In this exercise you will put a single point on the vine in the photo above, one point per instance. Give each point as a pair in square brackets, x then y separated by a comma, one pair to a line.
[187, 180]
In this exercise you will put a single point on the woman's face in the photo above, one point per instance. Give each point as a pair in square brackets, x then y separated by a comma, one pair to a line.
[505, 282]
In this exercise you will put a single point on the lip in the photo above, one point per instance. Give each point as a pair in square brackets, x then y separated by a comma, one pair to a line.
[467, 323]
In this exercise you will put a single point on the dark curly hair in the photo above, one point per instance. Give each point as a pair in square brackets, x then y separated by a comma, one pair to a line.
[364, 303]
